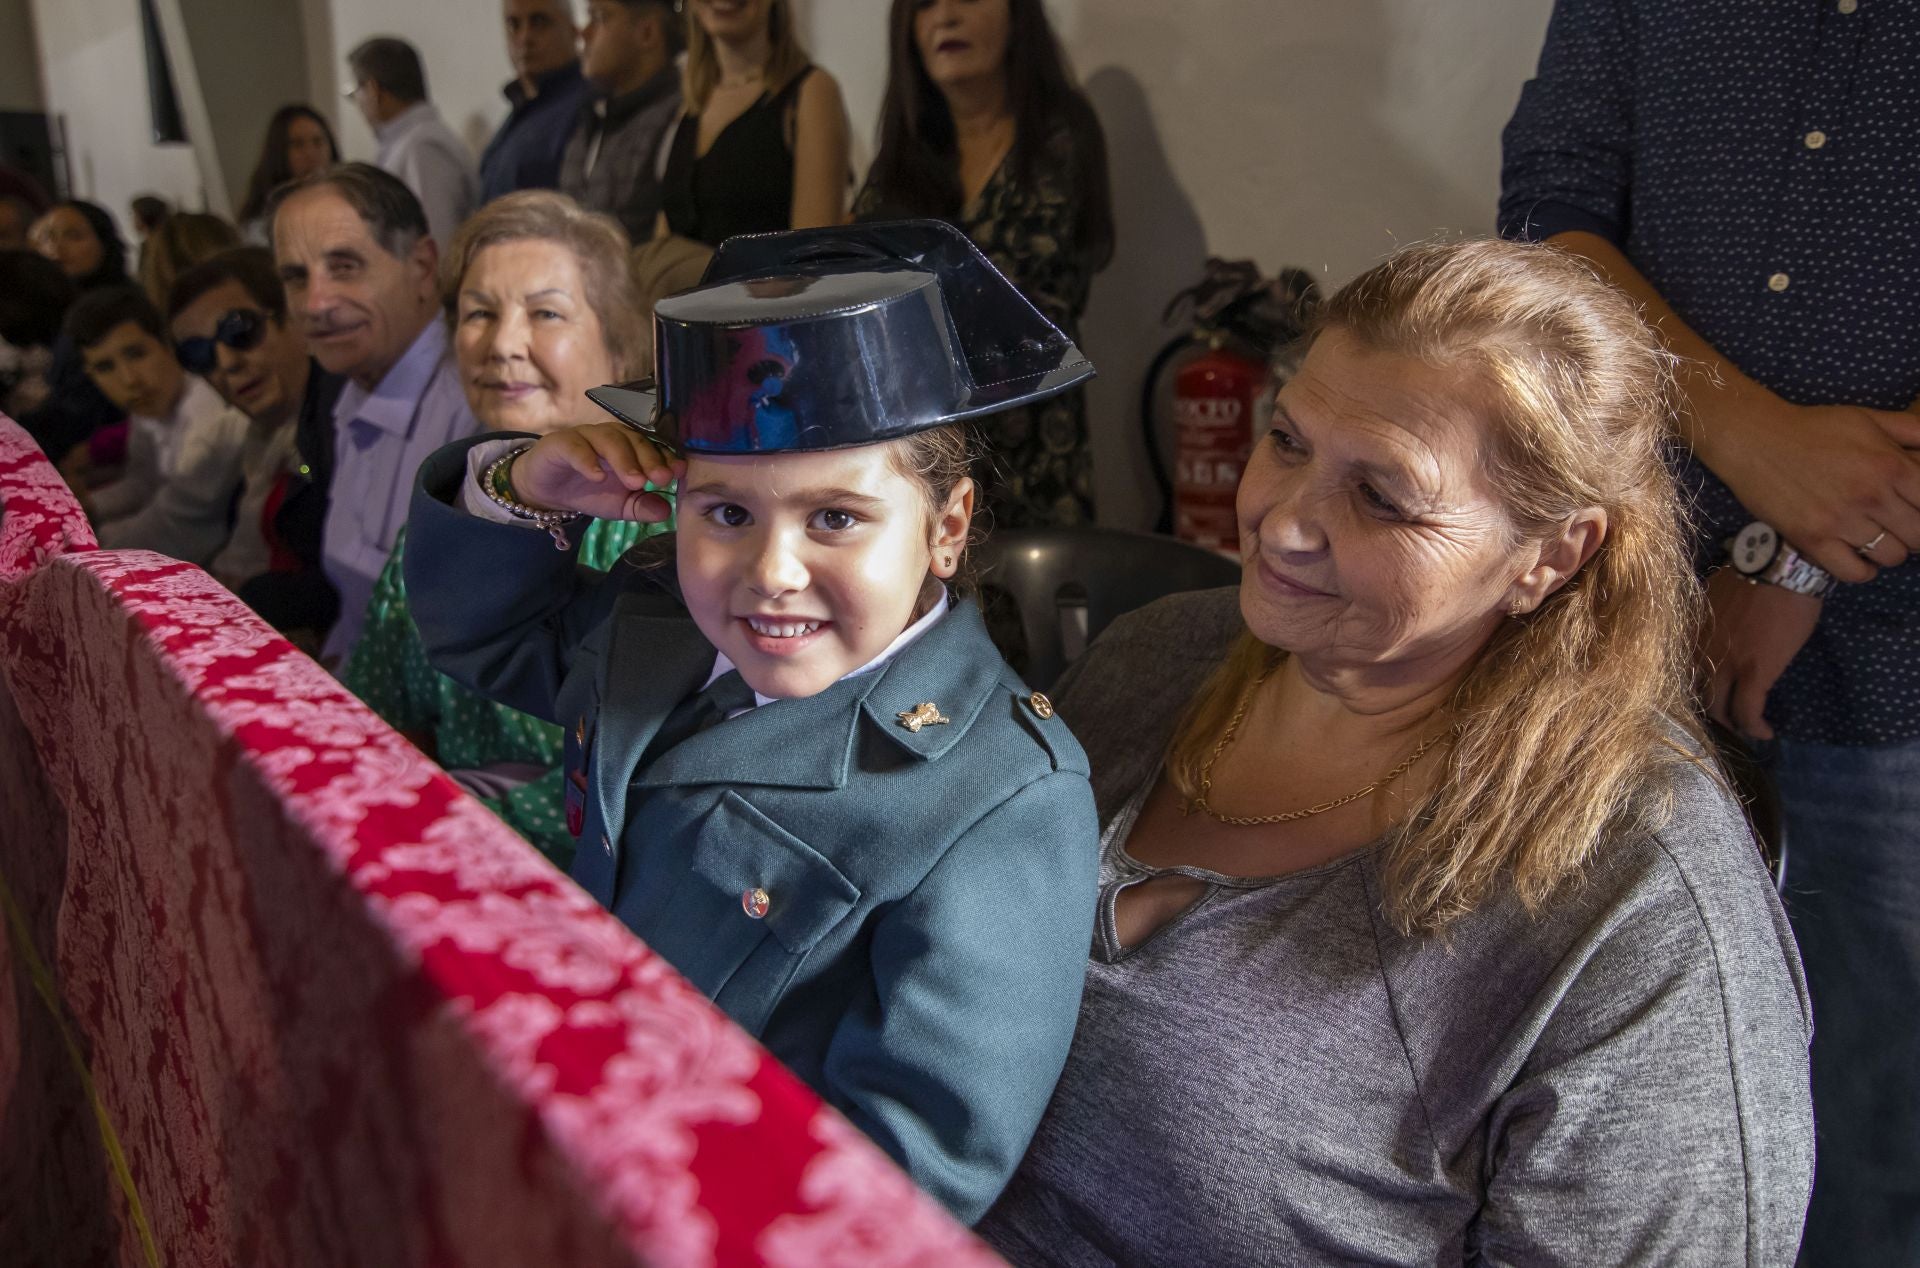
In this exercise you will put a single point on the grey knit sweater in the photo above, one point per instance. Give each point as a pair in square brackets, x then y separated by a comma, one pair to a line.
[1276, 1077]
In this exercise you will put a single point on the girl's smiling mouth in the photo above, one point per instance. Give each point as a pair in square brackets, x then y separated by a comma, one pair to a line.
[781, 635]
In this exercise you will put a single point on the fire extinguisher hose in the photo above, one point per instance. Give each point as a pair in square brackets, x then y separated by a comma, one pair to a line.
[1150, 432]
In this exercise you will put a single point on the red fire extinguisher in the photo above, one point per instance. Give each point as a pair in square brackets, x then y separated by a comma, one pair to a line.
[1215, 396]
[1223, 370]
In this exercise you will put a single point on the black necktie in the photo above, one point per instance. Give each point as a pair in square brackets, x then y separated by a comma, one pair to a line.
[706, 708]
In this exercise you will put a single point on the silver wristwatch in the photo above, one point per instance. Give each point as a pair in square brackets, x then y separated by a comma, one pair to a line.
[1758, 553]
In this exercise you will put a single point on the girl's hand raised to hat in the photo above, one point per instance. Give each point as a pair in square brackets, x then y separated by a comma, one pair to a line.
[599, 469]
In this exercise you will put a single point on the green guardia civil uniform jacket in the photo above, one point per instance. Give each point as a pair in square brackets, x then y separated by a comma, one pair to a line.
[900, 916]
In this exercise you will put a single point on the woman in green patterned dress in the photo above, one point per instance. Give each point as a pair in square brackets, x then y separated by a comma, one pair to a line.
[983, 127]
[543, 306]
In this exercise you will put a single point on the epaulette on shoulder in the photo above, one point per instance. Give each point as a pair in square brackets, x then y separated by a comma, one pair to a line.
[1034, 712]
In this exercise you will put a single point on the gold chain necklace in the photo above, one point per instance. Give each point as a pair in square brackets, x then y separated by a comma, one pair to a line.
[1247, 821]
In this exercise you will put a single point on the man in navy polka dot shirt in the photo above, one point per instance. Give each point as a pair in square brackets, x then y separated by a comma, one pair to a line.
[1750, 172]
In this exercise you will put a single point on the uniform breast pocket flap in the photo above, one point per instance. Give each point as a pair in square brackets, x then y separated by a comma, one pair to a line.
[780, 884]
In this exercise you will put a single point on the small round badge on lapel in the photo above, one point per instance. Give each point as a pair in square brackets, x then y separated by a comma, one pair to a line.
[756, 902]
[1039, 703]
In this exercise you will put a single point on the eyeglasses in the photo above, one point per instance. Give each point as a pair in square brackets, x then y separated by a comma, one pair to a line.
[241, 329]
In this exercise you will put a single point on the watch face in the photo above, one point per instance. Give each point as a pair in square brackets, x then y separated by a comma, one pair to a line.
[1754, 548]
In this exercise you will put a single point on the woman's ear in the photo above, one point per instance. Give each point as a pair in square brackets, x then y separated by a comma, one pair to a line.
[1561, 555]
[948, 541]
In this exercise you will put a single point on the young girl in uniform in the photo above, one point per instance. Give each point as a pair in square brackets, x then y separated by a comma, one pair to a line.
[797, 766]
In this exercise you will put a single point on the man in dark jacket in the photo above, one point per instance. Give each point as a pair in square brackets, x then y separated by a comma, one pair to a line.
[1746, 173]
[609, 163]
[545, 96]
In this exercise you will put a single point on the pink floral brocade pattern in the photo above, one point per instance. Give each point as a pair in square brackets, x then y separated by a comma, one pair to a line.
[42, 518]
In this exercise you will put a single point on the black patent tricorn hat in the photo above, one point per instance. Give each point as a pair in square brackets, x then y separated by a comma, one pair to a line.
[845, 335]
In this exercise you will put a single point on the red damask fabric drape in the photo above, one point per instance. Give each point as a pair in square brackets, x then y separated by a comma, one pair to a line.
[274, 991]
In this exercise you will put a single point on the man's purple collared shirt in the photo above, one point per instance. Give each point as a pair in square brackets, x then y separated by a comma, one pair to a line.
[380, 439]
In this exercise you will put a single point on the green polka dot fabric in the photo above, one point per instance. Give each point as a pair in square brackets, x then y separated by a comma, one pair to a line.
[389, 671]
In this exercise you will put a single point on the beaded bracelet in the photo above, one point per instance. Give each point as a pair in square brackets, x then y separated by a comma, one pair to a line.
[499, 491]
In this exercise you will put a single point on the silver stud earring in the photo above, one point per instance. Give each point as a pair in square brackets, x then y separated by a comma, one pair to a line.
[1518, 608]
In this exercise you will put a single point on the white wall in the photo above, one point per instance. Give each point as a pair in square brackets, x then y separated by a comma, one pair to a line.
[323, 72]
[232, 63]
[93, 71]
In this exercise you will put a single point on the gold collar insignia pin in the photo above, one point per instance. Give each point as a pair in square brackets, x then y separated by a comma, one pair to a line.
[920, 715]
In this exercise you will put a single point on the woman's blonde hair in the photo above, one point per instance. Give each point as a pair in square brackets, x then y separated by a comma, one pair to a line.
[1565, 723]
[183, 240]
[785, 57]
[597, 242]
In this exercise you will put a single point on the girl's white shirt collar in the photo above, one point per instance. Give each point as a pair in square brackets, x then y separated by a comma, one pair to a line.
[907, 637]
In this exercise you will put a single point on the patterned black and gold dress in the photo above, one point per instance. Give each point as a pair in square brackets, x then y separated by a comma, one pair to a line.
[1042, 466]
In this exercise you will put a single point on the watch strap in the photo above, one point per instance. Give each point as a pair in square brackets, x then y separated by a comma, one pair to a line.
[1790, 570]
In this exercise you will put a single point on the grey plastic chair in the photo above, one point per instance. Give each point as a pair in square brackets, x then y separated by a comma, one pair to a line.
[1065, 585]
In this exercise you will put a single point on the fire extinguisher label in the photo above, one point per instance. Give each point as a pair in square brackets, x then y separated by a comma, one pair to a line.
[1212, 407]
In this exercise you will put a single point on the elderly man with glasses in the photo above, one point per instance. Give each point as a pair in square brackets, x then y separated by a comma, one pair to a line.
[416, 145]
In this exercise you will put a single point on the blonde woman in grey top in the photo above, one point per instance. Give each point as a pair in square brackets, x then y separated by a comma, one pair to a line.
[1428, 932]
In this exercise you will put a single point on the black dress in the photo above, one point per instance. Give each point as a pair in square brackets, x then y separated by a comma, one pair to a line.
[744, 182]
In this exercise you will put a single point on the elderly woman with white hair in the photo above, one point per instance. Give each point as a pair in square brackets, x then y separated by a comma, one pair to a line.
[543, 305]
[1429, 932]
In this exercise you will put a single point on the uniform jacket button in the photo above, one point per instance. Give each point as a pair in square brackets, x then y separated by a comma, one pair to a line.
[1039, 703]
[755, 902]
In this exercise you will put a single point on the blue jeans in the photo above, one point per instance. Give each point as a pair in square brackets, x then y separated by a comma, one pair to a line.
[1853, 894]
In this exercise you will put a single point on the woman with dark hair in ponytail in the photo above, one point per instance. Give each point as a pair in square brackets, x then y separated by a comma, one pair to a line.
[299, 143]
[983, 126]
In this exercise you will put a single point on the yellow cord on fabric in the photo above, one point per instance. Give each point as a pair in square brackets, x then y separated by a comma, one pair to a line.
[43, 985]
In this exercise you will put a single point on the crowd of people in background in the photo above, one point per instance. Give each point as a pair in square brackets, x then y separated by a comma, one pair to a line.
[683, 129]
[257, 395]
